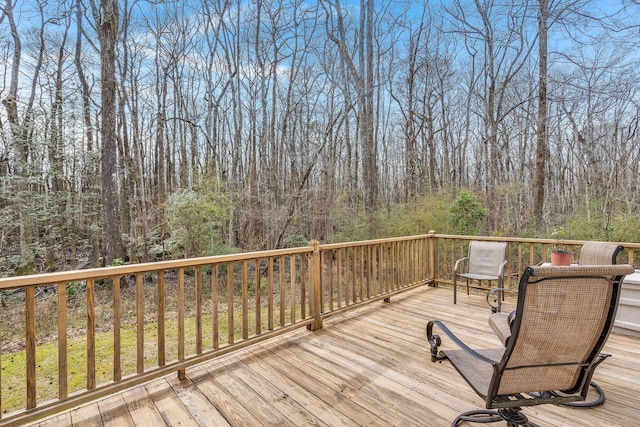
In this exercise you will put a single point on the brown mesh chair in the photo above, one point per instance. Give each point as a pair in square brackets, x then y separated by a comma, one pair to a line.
[591, 253]
[563, 318]
[599, 253]
[485, 263]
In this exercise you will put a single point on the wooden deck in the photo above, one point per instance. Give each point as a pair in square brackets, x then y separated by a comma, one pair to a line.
[368, 367]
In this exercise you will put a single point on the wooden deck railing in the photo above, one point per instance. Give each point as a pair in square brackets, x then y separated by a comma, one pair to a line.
[144, 321]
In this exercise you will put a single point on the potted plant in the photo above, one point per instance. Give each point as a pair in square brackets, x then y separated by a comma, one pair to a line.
[560, 255]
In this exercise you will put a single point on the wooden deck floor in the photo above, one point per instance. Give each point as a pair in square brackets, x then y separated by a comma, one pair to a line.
[368, 367]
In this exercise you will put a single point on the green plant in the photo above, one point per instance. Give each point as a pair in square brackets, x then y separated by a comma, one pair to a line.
[467, 213]
[559, 233]
[195, 218]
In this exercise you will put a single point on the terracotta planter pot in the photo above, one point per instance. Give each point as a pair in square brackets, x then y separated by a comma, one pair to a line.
[561, 258]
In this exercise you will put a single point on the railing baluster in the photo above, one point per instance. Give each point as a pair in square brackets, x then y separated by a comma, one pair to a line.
[303, 286]
[329, 255]
[30, 344]
[292, 273]
[282, 290]
[63, 390]
[91, 335]
[364, 281]
[230, 326]
[339, 280]
[258, 298]
[117, 368]
[245, 300]
[199, 310]
[140, 324]
[181, 334]
[354, 275]
[270, 294]
[161, 317]
[214, 309]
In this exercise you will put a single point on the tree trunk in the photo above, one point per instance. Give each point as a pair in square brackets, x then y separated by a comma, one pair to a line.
[107, 26]
[541, 147]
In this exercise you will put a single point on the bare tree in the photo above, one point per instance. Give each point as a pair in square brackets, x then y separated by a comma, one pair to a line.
[107, 24]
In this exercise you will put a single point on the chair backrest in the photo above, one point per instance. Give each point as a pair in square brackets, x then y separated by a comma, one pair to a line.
[599, 253]
[563, 319]
[486, 257]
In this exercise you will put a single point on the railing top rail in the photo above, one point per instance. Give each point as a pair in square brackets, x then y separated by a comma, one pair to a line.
[329, 246]
[122, 270]
[113, 271]
[627, 245]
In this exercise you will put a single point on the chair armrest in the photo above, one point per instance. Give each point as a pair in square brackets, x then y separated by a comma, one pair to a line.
[501, 270]
[435, 342]
[459, 263]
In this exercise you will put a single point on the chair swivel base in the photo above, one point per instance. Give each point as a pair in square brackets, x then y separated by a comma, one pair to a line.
[588, 403]
[513, 416]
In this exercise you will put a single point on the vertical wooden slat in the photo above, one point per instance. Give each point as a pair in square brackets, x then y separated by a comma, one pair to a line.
[117, 320]
[199, 309]
[382, 253]
[140, 324]
[339, 276]
[270, 295]
[258, 298]
[292, 272]
[282, 290]
[63, 389]
[303, 286]
[30, 344]
[161, 317]
[374, 270]
[363, 280]
[214, 309]
[181, 308]
[316, 286]
[181, 334]
[91, 335]
[354, 275]
[245, 300]
[532, 254]
[230, 338]
[330, 281]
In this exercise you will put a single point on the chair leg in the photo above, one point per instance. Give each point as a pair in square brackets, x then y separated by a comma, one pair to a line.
[455, 286]
[513, 416]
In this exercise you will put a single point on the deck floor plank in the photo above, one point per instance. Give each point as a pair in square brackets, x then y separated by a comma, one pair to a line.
[202, 410]
[114, 412]
[367, 367]
[141, 407]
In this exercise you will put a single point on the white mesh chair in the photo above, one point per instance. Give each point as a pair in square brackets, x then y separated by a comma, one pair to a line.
[485, 263]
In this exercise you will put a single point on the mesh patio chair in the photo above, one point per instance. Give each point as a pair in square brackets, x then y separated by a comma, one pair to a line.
[563, 318]
[485, 263]
[599, 253]
[591, 253]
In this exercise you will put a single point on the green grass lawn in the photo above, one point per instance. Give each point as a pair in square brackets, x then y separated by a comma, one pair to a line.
[14, 363]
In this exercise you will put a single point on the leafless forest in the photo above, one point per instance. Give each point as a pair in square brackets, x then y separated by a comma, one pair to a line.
[137, 129]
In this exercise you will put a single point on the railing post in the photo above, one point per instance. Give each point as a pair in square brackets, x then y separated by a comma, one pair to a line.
[433, 250]
[316, 294]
